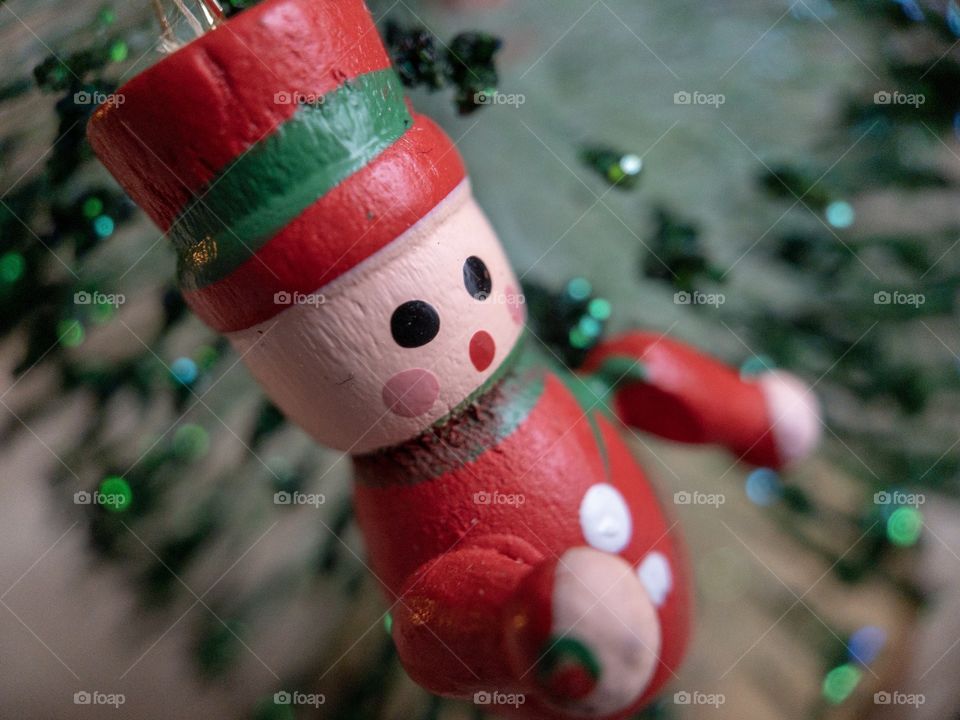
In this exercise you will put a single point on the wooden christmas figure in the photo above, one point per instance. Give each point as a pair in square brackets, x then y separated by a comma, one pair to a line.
[330, 232]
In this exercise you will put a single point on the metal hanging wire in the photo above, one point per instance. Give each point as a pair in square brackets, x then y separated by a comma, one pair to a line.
[209, 16]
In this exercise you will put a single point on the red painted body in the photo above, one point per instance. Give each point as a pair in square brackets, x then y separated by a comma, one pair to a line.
[454, 559]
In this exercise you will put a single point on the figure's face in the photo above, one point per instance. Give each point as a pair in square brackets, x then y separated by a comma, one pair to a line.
[398, 341]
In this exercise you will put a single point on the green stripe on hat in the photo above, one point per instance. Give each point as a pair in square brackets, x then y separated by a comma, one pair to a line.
[279, 177]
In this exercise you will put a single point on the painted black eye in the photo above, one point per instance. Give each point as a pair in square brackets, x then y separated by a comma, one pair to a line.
[414, 323]
[476, 278]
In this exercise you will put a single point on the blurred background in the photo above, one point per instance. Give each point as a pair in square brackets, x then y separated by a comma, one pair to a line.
[773, 181]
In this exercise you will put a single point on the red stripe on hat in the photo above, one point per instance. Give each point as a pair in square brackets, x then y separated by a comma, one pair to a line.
[348, 224]
[186, 118]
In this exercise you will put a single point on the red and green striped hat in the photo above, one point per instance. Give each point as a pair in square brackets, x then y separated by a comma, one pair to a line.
[276, 151]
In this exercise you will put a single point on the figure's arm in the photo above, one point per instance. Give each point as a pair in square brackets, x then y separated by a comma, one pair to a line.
[569, 634]
[667, 388]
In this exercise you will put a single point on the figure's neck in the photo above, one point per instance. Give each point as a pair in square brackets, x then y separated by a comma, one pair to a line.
[479, 422]
[505, 369]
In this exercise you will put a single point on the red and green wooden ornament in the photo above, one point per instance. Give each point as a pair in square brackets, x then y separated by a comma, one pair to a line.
[330, 232]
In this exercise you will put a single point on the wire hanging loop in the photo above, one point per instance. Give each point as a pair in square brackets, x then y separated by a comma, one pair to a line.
[211, 12]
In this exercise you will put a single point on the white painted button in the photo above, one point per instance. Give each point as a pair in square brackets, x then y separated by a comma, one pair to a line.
[605, 518]
[656, 576]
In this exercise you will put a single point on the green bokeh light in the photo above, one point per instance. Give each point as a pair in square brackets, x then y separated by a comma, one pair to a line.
[206, 357]
[118, 492]
[92, 207]
[840, 683]
[102, 312]
[191, 442]
[70, 332]
[107, 15]
[11, 267]
[119, 51]
[904, 526]
[59, 74]
[599, 308]
[579, 339]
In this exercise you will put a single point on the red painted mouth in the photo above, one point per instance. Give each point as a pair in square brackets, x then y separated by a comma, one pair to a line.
[482, 350]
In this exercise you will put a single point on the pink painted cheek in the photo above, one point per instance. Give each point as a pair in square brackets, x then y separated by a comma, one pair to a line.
[411, 393]
[515, 305]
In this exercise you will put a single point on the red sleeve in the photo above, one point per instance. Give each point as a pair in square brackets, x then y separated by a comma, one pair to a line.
[666, 388]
